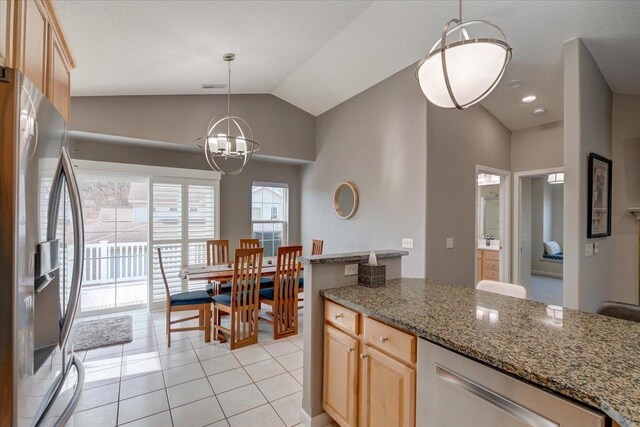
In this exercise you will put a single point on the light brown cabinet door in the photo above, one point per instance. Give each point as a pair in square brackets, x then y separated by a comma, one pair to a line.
[6, 27]
[387, 391]
[340, 377]
[60, 78]
[33, 52]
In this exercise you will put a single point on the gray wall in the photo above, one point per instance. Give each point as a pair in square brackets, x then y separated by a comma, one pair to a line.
[539, 147]
[282, 130]
[375, 140]
[587, 129]
[457, 141]
[626, 194]
[546, 223]
[235, 191]
[235, 200]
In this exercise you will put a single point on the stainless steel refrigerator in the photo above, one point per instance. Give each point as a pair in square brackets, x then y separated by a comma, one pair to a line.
[41, 259]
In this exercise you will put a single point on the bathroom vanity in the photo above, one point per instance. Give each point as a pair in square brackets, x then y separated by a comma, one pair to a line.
[488, 263]
[419, 352]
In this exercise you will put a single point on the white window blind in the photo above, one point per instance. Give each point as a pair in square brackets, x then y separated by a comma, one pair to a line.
[166, 219]
[183, 219]
[270, 215]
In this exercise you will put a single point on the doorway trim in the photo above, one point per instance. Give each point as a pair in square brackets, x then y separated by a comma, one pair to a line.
[505, 222]
[517, 191]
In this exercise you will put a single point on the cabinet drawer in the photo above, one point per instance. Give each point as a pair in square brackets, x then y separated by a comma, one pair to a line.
[491, 265]
[391, 340]
[493, 255]
[341, 317]
[490, 275]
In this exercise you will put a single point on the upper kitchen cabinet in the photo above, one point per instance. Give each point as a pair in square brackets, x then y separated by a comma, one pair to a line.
[42, 51]
[6, 33]
[59, 88]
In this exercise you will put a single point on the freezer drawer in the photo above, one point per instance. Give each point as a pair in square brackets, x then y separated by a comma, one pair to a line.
[456, 391]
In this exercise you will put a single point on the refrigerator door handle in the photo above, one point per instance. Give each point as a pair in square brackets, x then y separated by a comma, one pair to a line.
[65, 170]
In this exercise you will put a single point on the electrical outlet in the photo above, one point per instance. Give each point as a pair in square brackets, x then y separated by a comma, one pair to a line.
[449, 242]
[588, 249]
[351, 269]
[407, 243]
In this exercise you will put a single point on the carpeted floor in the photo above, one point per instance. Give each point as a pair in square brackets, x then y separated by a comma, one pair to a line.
[99, 333]
[546, 289]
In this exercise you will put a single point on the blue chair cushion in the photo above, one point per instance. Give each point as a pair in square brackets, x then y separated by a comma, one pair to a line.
[224, 299]
[266, 293]
[266, 282]
[190, 298]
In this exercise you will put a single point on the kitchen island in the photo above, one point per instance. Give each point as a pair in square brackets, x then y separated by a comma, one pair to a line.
[584, 358]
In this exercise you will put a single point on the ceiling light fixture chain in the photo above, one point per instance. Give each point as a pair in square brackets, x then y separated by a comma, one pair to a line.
[460, 73]
[222, 147]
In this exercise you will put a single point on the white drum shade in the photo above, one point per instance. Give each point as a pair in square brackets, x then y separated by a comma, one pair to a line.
[460, 71]
[474, 69]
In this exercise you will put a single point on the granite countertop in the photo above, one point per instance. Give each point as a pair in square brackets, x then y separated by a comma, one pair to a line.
[590, 358]
[351, 256]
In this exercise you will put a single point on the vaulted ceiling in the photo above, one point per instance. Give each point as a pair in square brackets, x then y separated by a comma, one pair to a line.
[317, 54]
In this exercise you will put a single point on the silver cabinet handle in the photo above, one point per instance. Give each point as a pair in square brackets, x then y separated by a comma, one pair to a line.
[350, 350]
[521, 413]
[337, 316]
[65, 170]
[363, 356]
[384, 339]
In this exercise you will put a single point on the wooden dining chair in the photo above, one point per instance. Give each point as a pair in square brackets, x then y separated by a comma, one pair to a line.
[316, 247]
[283, 297]
[217, 254]
[185, 301]
[249, 243]
[243, 303]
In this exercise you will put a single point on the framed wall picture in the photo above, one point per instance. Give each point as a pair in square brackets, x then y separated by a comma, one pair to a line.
[599, 213]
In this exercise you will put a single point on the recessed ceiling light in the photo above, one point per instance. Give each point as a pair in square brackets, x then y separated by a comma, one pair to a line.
[514, 84]
[539, 111]
[529, 98]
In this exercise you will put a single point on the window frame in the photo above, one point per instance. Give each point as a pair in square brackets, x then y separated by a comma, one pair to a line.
[162, 174]
[285, 208]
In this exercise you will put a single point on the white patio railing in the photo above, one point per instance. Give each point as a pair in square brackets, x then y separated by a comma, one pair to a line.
[105, 262]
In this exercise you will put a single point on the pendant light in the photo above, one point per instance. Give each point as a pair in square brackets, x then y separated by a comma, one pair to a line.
[460, 71]
[228, 144]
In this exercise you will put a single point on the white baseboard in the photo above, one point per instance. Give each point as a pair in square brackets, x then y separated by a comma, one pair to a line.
[546, 273]
[321, 420]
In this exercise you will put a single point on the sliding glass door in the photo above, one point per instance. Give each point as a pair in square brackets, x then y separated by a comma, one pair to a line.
[182, 219]
[116, 239]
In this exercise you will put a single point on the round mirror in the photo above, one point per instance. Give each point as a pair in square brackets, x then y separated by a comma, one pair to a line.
[345, 200]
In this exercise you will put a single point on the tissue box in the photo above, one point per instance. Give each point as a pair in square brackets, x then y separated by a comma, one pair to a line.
[371, 276]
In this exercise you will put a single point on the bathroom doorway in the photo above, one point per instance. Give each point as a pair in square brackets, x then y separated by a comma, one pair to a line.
[538, 234]
[492, 243]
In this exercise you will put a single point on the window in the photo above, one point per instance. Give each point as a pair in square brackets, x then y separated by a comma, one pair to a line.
[181, 225]
[270, 215]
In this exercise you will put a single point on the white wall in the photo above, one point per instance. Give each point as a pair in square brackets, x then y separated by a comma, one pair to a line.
[376, 140]
[538, 147]
[457, 141]
[626, 194]
[587, 129]
[283, 130]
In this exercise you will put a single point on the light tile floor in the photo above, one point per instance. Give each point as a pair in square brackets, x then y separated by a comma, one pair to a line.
[193, 383]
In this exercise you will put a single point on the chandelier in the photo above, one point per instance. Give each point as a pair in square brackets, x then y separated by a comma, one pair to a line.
[460, 71]
[228, 144]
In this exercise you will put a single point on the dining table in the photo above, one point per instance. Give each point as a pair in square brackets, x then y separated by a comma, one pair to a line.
[222, 272]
